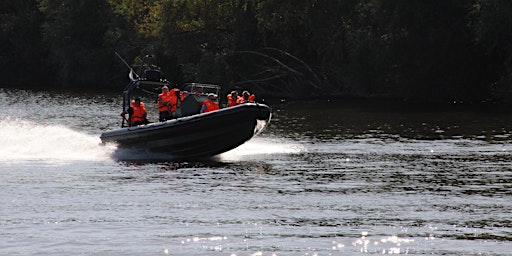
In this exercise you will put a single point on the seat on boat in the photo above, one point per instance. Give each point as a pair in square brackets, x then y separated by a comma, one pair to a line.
[191, 105]
[152, 75]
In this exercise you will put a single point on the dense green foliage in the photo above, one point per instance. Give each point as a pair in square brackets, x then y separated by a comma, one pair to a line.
[442, 50]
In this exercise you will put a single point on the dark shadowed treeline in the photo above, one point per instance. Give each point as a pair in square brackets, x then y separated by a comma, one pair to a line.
[442, 50]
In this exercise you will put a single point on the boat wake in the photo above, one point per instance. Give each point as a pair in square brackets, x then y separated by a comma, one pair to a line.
[25, 140]
[262, 147]
[29, 141]
[253, 149]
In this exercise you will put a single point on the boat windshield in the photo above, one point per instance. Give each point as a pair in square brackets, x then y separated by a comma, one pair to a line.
[202, 89]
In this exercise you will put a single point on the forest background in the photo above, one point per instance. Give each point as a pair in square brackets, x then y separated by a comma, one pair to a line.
[422, 50]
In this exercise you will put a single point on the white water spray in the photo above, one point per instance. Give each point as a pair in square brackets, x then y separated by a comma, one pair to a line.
[24, 140]
[262, 147]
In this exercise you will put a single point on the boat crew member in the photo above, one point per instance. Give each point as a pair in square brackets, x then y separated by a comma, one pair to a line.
[164, 104]
[184, 94]
[209, 104]
[246, 97]
[137, 113]
[174, 100]
[233, 98]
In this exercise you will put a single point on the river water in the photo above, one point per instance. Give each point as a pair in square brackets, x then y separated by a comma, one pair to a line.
[324, 178]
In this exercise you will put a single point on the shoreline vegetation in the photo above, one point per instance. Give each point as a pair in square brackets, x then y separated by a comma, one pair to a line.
[412, 51]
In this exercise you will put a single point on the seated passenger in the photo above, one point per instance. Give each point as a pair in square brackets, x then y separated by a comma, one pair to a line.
[184, 94]
[137, 113]
[233, 98]
[210, 104]
[247, 97]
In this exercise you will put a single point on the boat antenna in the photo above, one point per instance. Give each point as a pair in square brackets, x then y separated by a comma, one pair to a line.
[126, 63]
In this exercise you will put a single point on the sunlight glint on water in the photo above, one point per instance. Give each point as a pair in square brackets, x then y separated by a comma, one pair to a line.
[261, 147]
[324, 179]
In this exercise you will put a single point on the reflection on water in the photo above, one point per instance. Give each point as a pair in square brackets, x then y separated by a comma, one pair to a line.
[324, 179]
[325, 120]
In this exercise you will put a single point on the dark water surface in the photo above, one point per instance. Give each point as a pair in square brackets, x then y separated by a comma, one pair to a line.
[325, 178]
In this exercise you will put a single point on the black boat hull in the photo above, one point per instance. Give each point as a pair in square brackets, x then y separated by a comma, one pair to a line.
[200, 135]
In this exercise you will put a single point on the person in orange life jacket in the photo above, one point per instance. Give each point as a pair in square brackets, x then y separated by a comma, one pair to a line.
[137, 113]
[232, 98]
[164, 104]
[175, 99]
[210, 104]
[247, 97]
[184, 94]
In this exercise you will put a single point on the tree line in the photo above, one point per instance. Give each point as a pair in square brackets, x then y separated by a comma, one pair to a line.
[441, 50]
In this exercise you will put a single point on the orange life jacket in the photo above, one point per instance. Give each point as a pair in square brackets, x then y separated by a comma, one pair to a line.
[231, 102]
[242, 99]
[173, 100]
[164, 98]
[139, 113]
[210, 105]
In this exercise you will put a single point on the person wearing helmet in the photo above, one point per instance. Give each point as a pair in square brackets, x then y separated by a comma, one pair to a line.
[246, 97]
[210, 104]
[233, 98]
